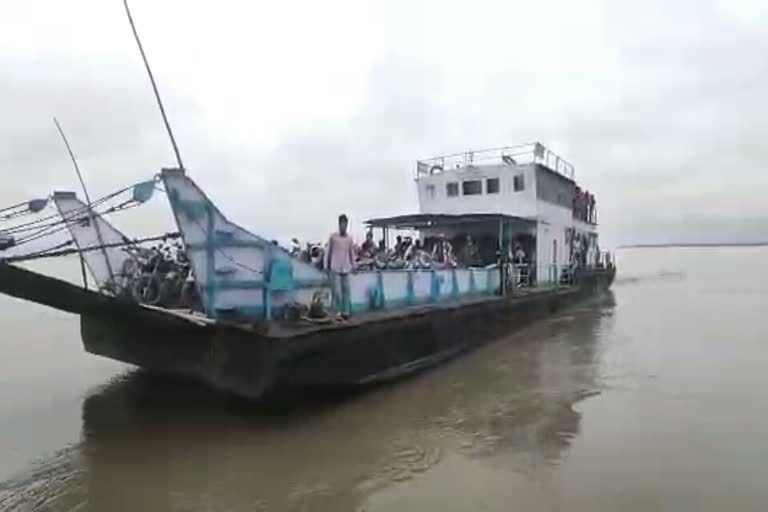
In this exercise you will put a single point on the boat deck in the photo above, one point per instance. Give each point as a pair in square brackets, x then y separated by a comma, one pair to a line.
[285, 330]
[290, 330]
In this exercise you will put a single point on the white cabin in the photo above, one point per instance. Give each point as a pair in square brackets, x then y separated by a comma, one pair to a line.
[527, 182]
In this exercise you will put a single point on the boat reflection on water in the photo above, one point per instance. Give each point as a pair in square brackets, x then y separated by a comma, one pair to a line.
[151, 443]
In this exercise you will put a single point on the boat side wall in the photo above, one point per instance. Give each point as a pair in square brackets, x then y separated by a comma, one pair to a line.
[243, 275]
[250, 364]
[394, 289]
[385, 350]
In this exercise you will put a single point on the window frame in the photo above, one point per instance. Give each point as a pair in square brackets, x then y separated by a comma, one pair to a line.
[478, 191]
[497, 182]
[518, 179]
[449, 186]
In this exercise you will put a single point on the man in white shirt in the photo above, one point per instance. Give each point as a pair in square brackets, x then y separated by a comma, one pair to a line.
[339, 261]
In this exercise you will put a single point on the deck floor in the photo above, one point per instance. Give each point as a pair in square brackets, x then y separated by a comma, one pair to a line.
[278, 329]
[289, 330]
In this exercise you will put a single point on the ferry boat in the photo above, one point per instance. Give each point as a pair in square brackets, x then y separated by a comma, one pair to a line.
[536, 251]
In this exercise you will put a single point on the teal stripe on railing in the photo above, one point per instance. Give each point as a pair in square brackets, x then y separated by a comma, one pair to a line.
[409, 294]
[434, 291]
[380, 283]
[226, 244]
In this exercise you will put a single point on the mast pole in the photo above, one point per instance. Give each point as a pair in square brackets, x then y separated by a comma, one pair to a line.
[74, 161]
[154, 86]
[90, 211]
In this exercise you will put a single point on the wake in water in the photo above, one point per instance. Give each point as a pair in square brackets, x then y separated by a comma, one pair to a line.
[662, 275]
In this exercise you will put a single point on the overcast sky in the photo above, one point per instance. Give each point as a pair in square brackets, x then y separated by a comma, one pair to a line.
[290, 112]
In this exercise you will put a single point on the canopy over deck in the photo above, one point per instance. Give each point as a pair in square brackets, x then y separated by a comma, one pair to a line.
[418, 221]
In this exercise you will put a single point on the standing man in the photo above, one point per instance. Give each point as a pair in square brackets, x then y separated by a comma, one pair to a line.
[519, 255]
[339, 260]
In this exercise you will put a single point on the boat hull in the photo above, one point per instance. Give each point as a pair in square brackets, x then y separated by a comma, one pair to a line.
[252, 363]
[256, 360]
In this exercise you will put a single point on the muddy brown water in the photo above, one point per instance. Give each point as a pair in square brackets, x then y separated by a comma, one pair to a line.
[651, 398]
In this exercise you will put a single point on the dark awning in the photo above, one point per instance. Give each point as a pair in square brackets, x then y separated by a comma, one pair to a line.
[430, 220]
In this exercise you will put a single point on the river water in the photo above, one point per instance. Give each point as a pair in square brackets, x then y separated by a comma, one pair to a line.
[652, 398]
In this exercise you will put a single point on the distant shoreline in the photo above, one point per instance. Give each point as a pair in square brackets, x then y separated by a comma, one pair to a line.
[699, 244]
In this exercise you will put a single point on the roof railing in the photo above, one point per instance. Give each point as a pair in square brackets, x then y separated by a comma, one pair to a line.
[521, 154]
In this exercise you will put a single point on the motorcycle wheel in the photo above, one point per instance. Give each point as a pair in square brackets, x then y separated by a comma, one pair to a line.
[146, 289]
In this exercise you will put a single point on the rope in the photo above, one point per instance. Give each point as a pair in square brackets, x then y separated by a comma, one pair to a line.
[50, 253]
[52, 224]
[32, 226]
[13, 215]
[39, 254]
[79, 210]
[12, 207]
[13, 231]
[41, 234]
[84, 209]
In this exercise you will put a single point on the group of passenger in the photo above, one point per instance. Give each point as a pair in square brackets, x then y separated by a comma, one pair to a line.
[579, 247]
[340, 257]
[584, 206]
[407, 253]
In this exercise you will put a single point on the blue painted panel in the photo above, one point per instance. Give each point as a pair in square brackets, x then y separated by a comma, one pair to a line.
[380, 284]
[225, 284]
[374, 297]
[280, 275]
[454, 284]
[237, 285]
[192, 209]
[437, 281]
[224, 243]
[231, 263]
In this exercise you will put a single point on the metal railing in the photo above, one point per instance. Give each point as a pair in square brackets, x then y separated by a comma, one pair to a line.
[553, 275]
[521, 154]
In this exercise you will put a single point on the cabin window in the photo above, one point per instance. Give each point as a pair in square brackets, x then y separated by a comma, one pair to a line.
[492, 186]
[472, 187]
[519, 182]
[430, 191]
[452, 189]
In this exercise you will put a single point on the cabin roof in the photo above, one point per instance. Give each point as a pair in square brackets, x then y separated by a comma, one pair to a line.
[520, 154]
[431, 220]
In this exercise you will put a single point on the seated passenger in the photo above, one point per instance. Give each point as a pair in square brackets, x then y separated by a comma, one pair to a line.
[399, 249]
[368, 249]
[317, 257]
[470, 255]
[295, 248]
[407, 247]
[442, 252]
